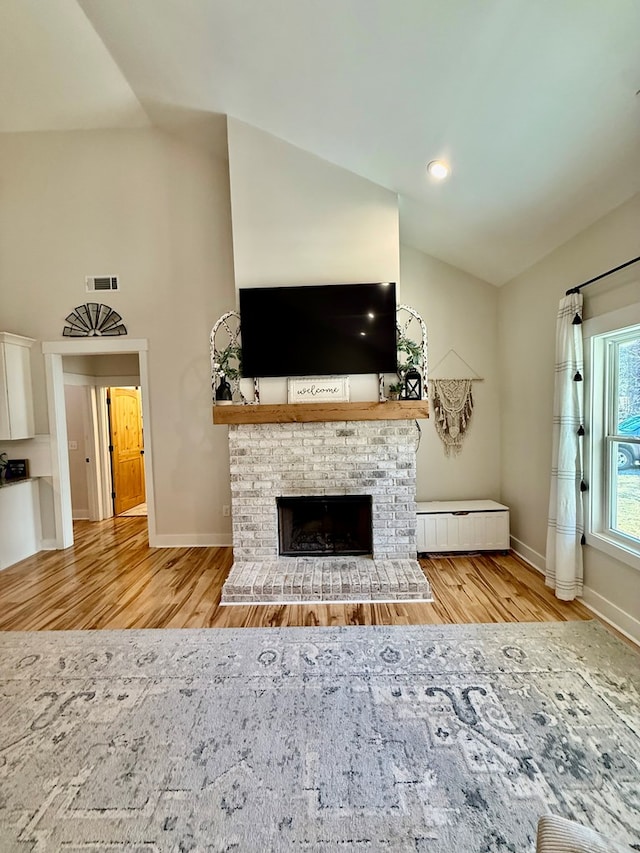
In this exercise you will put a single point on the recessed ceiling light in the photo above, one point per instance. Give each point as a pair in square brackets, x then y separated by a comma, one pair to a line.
[438, 170]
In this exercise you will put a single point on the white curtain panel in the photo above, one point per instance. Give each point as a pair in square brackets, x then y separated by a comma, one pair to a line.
[566, 518]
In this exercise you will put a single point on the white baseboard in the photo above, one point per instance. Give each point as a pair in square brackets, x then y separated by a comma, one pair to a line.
[48, 545]
[613, 615]
[537, 561]
[190, 540]
[600, 606]
[80, 514]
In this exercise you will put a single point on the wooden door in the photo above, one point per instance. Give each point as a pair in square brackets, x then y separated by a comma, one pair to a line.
[127, 447]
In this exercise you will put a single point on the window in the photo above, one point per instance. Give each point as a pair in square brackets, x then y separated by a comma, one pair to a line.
[615, 443]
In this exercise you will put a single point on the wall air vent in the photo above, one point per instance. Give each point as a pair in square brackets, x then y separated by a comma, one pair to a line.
[96, 283]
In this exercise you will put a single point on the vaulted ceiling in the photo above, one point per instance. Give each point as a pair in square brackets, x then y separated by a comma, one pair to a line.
[532, 102]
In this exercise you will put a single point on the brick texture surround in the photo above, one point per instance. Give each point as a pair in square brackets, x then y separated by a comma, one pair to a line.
[376, 458]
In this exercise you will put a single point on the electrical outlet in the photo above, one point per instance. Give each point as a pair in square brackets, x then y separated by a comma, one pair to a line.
[226, 510]
[73, 445]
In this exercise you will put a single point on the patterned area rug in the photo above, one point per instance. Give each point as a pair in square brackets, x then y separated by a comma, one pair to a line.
[421, 738]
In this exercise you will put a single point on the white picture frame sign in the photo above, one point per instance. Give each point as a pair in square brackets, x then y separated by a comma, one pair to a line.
[321, 389]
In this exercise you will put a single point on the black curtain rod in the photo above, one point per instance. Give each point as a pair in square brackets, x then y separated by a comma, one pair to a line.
[602, 275]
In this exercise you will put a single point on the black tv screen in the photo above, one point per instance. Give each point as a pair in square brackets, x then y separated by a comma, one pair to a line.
[318, 330]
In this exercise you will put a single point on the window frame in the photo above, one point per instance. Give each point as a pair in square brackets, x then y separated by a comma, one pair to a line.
[603, 336]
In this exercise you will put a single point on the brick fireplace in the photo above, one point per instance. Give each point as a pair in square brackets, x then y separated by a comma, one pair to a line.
[373, 458]
[376, 458]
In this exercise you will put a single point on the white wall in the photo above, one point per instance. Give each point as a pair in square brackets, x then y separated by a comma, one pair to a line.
[95, 366]
[527, 317]
[460, 312]
[155, 211]
[298, 219]
[74, 403]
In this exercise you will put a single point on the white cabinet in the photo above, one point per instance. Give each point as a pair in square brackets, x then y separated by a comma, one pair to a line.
[19, 522]
[462, 526]
[16, 399]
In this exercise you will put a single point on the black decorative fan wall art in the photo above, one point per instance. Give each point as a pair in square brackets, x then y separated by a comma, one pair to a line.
[93, 319]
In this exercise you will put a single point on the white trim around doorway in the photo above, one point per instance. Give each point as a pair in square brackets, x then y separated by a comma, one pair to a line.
[61, 485]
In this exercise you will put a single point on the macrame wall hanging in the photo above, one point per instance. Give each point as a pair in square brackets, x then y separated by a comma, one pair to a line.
[452, 400]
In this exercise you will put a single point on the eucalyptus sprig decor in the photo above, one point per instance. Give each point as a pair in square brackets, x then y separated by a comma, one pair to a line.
[222, 361]
[227, 364]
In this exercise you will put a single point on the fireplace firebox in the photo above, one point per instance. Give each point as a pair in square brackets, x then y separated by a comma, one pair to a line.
[313, 526]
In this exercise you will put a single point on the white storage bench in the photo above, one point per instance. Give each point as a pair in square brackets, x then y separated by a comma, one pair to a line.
[462, 526]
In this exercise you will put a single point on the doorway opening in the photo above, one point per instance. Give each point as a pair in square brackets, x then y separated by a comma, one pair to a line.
[104, 419]
[112, 372]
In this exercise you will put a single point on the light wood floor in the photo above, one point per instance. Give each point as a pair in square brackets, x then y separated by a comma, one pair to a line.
[110, 578]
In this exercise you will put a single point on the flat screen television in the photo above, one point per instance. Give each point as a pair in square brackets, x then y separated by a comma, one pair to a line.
[318, 330]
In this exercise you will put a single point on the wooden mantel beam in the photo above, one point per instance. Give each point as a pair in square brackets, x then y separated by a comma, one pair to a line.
[317, 412]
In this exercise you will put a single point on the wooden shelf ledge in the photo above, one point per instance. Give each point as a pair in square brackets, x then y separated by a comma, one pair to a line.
[283, 413]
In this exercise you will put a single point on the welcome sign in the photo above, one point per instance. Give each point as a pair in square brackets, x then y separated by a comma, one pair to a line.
[322, 389]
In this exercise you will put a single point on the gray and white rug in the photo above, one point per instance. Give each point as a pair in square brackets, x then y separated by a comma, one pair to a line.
[421, 738]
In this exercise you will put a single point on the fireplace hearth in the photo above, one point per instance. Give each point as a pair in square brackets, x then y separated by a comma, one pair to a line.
[324, 525]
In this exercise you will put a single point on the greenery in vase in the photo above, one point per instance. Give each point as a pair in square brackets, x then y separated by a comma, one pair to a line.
[222, 362]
